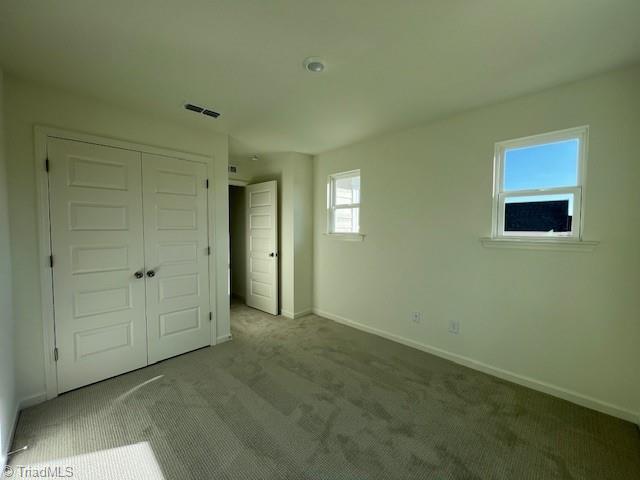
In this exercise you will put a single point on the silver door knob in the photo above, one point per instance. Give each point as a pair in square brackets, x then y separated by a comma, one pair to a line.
[139, 274]
[151, 274]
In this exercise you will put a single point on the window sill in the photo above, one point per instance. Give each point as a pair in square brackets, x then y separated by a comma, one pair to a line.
[347, 237]
[540, 244]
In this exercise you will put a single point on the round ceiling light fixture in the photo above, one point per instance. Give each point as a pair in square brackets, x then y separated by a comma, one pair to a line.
[313, 65]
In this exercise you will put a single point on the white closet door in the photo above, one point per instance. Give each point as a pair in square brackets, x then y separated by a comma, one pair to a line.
[262, 246]
[97, 245]
[176, 243]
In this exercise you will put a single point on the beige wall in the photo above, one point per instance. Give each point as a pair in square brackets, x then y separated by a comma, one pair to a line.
[566, 322]
[28, 105]
[8, 402]
[237, 241]
[293, 172]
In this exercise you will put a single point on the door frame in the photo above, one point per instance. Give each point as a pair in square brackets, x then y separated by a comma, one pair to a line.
[41, 136]
[234, 182]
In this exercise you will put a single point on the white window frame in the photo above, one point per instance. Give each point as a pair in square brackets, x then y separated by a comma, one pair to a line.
[500, 196]
[332, 207]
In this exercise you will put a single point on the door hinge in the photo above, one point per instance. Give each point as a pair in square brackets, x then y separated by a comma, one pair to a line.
[46, 164]
[50, 261]
[206, 182]
[210, 316]
[208, 250]
[55, 354]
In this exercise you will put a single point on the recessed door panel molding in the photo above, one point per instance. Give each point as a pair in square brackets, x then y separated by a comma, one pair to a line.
[98, 258]
[177, 218]
[176, 249]
[100, 340]
[87, 303]
[262, 241]
[260, 221]
[179, 286]
[259, 244]
[95, 203]
[179, 322]
[95, 216]
[176, 183]
[261, 289]
[261, 265]
[260, 199]
[176, 252]
[95, 173]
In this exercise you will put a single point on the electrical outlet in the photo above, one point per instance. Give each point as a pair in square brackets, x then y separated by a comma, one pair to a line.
[416, 317]
[454, 327]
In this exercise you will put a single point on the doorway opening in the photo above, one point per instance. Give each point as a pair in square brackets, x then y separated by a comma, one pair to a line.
[253, 246]
[237, 244]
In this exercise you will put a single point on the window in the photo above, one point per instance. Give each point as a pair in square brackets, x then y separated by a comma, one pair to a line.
[343, 202]
[538, 185]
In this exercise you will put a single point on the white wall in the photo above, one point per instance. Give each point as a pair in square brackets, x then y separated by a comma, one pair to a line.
[293, 172]
[567, 322]
[8, 401]
[27, 105]
[303, 233]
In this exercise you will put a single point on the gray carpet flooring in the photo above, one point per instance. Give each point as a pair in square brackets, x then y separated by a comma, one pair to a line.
[312, 399]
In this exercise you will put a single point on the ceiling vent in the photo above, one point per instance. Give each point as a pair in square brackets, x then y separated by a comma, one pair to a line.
[202, 110]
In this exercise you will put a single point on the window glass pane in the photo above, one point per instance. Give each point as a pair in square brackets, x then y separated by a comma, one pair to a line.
[347, 190]
[346, 220]
[541, 166]
[541, 213]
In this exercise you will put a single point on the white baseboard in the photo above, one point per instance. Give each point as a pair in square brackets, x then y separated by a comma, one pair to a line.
[554, 390]
[32, 400]
[4, 455]
[20, 405]
[223, 338]
[301, 313]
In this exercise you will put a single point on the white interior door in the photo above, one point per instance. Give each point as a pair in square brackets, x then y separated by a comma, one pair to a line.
[176, 251]
[97, 244]
[262, 246]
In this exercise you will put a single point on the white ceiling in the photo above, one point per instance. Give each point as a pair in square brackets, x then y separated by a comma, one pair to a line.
[390, 64]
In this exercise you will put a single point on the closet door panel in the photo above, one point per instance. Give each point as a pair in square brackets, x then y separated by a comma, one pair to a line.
[97, 244]
[176, 250]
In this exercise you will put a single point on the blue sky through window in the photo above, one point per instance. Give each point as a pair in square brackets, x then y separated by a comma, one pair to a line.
[541, 166]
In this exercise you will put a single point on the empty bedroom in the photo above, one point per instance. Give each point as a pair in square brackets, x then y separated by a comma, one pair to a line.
[301, 239]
